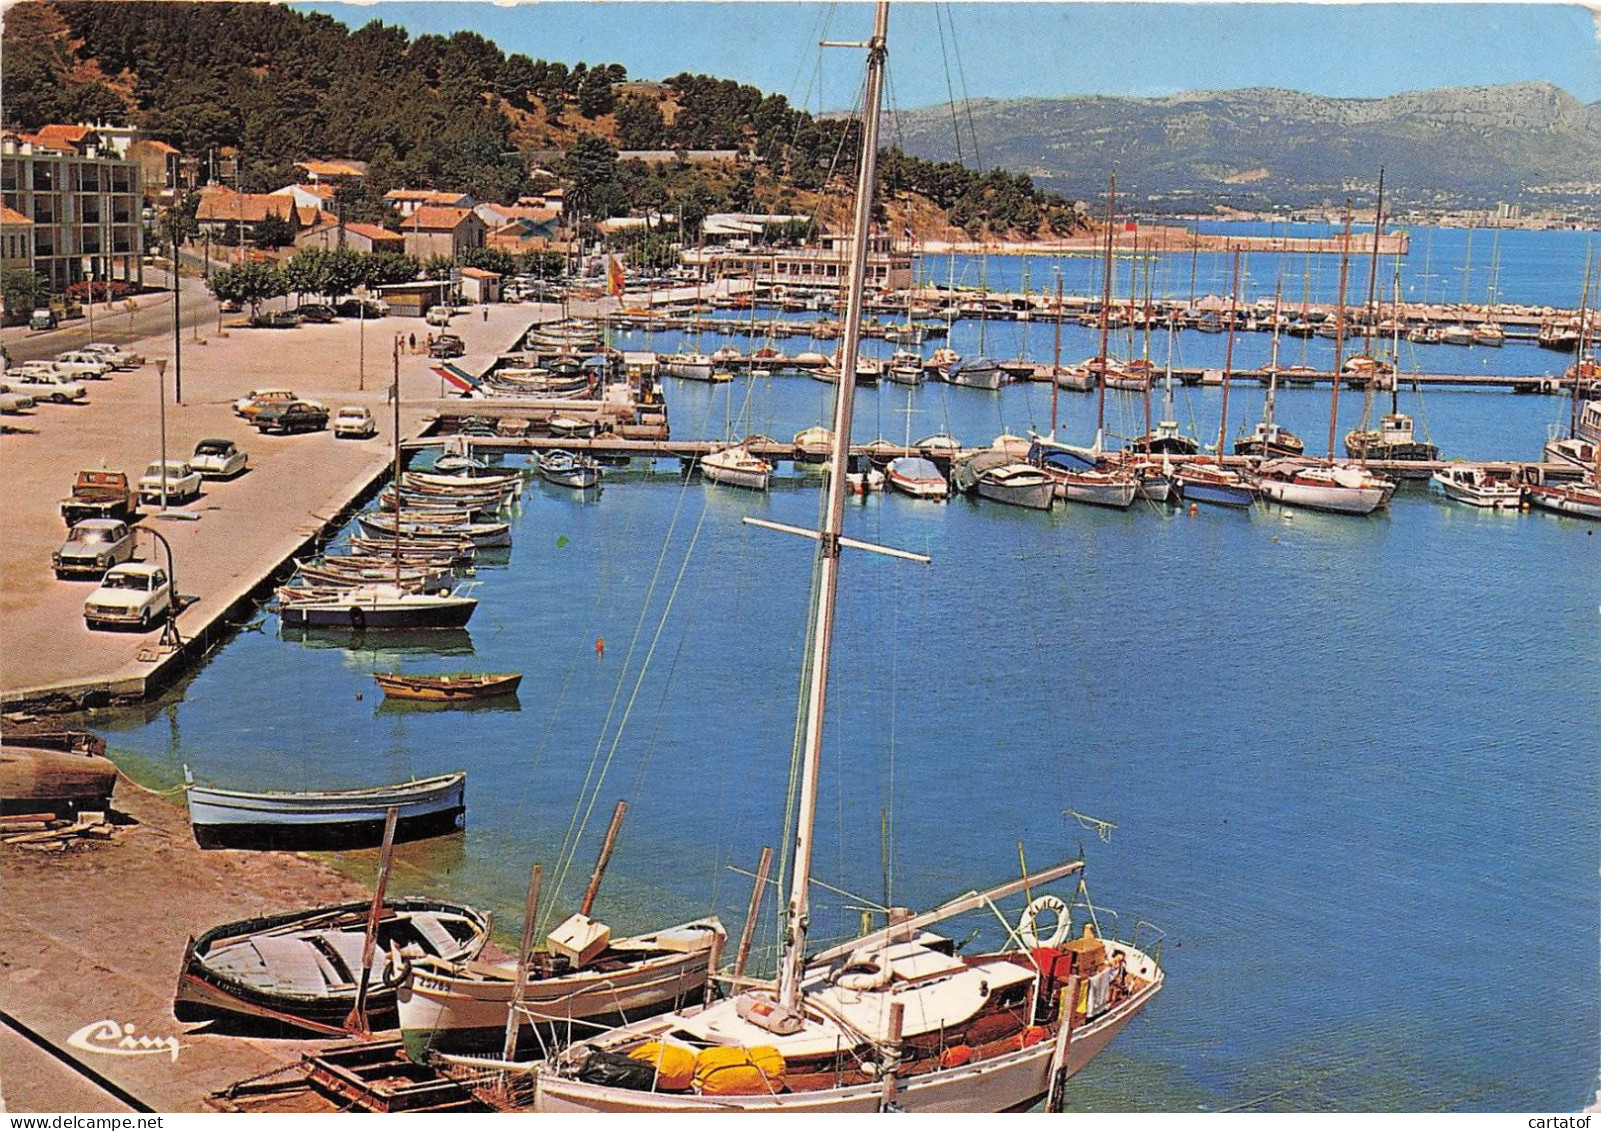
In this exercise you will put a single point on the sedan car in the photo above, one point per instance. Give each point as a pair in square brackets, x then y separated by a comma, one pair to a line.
[137, 594]
[355, 421]
[254, 401]
[447, 345]
[42, 386]
[295, 416]
[315, 312]
[12, 403]
[438, 316]
[118, 357]
[219, 459]
[82, 364]
[182, 482]
[93, 546]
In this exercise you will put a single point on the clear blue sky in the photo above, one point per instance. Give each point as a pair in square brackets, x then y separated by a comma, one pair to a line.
[1006, 50]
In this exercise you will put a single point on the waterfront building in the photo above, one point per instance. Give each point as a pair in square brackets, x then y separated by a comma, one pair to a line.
[479, 285]
[818, 265]
[16, 240]
[83, 201]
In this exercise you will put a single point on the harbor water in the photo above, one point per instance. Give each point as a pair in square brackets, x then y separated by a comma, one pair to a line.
[1352, 763]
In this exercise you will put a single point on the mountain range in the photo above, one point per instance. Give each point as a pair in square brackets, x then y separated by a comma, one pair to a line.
[1530, 142]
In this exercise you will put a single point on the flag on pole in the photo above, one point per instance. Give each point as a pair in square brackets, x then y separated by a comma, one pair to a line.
[614, 276]
[1131, 226]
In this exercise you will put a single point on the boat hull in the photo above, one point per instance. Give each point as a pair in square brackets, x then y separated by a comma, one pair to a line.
[1032, 496]
[335, 818]
[1235, 496]
[38, 779]
[1574, 503]
[1098, 491]
[358, 616]
[1012, 1081]
[442, 691]
[440, 1011]
[1326, 497]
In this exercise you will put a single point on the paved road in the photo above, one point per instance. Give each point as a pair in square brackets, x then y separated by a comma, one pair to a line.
[114, 323]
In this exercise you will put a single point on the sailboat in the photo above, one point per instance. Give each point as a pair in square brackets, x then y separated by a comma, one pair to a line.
[1580, 445]
[1458, 333]
[1395, 440]
[1338, 488]
[1271, 438]
[1489, 332]
[1201, 482]
[895, 1019]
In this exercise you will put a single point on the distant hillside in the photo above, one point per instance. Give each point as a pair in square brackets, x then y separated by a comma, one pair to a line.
[1263, 146]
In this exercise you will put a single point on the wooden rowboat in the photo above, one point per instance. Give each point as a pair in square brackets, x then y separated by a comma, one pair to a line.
[336, 818]
[58, 772]
[448, 688]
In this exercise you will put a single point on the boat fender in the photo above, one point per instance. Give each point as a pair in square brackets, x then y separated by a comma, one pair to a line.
[358, 617]
[1028, 925]
[863, 972]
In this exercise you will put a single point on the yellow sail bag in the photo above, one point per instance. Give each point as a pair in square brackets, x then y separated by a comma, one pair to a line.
[674, 1064]
[739, 1072]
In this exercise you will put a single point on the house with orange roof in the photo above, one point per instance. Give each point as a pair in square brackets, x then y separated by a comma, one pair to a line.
[224, 214]
[332, 172]
[366, 238]
[434, 229]
[407, 201]
[161, 166]
[16, 240]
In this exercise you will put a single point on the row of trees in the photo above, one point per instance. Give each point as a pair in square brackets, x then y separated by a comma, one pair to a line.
[333, 273]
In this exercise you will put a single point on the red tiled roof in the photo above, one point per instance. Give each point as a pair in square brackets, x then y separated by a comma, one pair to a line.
[9, 215]
[329, 168]
[373, 232]
[249, 208]
[478, 273]
[424, 196]
[59, 136]
[432, 218]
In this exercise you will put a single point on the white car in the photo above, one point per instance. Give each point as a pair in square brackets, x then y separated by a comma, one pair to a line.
[77, 363]
[183, 482]
[13, 403]
[355, 420]
[247, 405]
[115, 354]
[43, 385]
[137, 594]
[438, 316]
[219, 459]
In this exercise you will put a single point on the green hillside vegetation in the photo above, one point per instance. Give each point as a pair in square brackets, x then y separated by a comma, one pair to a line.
[435, 111]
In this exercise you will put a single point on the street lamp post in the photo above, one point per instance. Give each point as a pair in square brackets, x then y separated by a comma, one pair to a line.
[170, 637]
[361, 363]
[161, 402]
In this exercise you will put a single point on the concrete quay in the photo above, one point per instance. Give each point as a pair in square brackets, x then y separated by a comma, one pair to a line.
[239, 534]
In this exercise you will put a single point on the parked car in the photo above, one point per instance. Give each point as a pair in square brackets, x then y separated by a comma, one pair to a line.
[42, 319]
[138, 594]
[257, 399]
[275, 320]
[13, 403]
[98, 493]
[292, 416]
[115, 354]
[447, 345]
[315, 312]
[43, 385]
[438, 316]
[230, 306]
[219, 459]
[183, 482]
[352, 308]
[94, 546]
[80, 364]
[355, 421]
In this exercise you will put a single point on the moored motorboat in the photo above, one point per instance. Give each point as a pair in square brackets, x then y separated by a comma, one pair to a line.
[813, 445]
[452, 688]
[1340, 488]
[917, 477]
[1209, 483]
[736, 467]
[1479, 486]
[226, 818]
[304, 968]
[1394, 441]
[1578, 500]
[1017, 484]
[566, 469]
[378, 606]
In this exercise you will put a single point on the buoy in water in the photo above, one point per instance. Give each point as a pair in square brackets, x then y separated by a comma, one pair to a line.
[1194, 510]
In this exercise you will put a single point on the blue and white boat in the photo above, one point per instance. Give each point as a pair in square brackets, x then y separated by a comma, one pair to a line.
[225, 818]
[1218, 486]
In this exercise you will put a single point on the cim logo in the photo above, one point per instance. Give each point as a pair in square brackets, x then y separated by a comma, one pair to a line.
[116, 1038]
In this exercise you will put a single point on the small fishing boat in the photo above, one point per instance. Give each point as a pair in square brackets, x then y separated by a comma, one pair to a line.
[570, 426]
[565, 469]
[1209, 483]
[941, 445]
[456, 687]
[1394, 440]
[977, 373]
[917, 477]
[226, 818]
[736, 467]
[1017, 485]
[1479, 487]
[484, 535]
[1455, 335]
[1112, 485]
[689, 366]
[463, 1007]
[304, 968]
[374, 606]
[460, 552]
[1580, 500]
[813, 445]
[60, 772]
[862, 474]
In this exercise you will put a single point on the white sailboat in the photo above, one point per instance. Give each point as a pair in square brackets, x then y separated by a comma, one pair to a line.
[893, 1020]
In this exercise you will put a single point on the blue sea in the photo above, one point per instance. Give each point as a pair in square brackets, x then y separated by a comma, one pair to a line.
[1351, 763]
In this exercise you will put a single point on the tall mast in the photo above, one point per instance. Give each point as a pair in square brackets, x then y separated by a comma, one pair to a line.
[1339, 327]
[1370, 312]
[1056, 355]
[828, 547]
[1106, 303]
[1578, 350]
[1228, 359]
